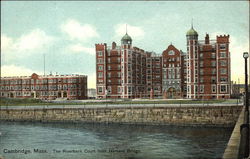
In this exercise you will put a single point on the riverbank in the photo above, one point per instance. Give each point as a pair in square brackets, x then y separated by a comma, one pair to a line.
[156, 115]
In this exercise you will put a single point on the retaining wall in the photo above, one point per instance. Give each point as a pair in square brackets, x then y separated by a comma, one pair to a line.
[189, 115]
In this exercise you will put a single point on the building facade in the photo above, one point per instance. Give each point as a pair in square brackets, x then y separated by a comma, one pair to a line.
[154, 75]
[203, 72]
[120, 70]
[48, 87]
[172, 69]
[208, 67]
[128, 72]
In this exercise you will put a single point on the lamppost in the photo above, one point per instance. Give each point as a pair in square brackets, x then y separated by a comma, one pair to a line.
[245, 126]
[246, 55]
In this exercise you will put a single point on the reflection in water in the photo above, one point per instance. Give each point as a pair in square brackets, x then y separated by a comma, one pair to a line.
[94, 141]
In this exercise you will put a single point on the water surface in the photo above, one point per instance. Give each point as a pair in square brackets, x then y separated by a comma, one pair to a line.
[99, 141]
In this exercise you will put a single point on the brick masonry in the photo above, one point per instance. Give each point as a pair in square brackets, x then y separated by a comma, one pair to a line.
[196, 115]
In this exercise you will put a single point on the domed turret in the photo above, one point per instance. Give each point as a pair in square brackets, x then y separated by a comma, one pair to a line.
[126, 39]
[191, 32]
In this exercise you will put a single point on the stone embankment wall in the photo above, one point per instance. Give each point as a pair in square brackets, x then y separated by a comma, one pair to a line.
[195, 115]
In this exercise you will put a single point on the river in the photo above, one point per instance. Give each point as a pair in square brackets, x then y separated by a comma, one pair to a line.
[26, 140]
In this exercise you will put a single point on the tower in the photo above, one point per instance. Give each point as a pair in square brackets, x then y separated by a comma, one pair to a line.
[191, 61]
[126, 59]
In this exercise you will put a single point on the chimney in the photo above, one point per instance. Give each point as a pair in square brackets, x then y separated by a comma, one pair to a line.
[207, 39]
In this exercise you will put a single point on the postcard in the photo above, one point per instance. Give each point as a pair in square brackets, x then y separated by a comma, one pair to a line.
[124, 79]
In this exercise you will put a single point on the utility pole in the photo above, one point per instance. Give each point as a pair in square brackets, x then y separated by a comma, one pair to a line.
[44, 64]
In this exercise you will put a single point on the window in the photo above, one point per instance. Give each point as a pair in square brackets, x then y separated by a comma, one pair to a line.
[109, 60]
[223, 54]
[223, 63]
[213, 71]
[99, 53]
[201, 88]
[213, 55]
[100, 67]
[223, 46]
[196, 79]
[201, 72]
[213, 79]
[223, 79]
[109, 74]
[196, 88]
[99, 89]
[178, 74]
[201, 63]
[119, 89]
[213, 63]
[223, 88]
[129, 89]
[109, 67]
[201, 80]
[100, 61]
[100, 74]
[201, 55]
[223, 71]
[109, 90]
[213, 88]
[171, 52]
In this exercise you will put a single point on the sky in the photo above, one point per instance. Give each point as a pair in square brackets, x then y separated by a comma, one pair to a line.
[66, 32]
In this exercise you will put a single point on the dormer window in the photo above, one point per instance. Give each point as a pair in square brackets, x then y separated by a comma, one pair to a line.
[171, 52]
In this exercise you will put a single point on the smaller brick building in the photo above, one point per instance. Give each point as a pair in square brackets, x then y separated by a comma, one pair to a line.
[44, 87]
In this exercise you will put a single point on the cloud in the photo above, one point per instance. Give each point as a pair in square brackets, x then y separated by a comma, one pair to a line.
[133, 31]
[36, 39]
[6, 43]
[78, 48]
[78, 31]
[13, 70]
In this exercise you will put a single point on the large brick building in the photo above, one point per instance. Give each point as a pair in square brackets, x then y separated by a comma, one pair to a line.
[120, 70]
[44, 87]
[130, 72]
[208, 67]
[203, 72]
